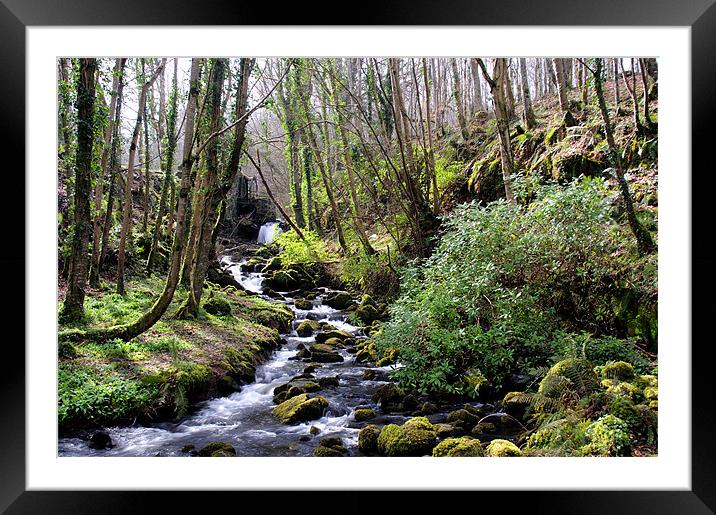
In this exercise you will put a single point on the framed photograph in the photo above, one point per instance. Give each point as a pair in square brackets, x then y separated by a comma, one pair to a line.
[434, 245]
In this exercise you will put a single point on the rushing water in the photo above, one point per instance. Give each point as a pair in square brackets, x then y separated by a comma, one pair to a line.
[268, 232]
[244, 418]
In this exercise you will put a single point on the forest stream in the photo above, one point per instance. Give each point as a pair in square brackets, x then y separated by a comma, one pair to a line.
[245, 419]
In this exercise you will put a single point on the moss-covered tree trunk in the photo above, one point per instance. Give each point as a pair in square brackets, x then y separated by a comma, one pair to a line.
[203, 245]
[73, 306]
[561, 82]
[643, 238]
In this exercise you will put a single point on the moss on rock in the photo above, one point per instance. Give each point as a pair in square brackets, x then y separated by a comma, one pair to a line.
[300, 409]
[368, 439]
[307, 328]
[463, 447]
[416, 437]
[502, 448]
[620, 370]
[608, 436]
[217, 450]
[363, 414]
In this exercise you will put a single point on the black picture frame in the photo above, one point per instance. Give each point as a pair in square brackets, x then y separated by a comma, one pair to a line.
[699, 15]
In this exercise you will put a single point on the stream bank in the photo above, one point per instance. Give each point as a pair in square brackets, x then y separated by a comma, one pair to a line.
[317, 391]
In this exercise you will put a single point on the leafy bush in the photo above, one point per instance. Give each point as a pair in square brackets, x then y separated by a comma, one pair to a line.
[298, 251]
[503, 282]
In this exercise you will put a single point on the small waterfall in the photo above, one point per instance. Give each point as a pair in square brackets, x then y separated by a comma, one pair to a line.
[268, 232]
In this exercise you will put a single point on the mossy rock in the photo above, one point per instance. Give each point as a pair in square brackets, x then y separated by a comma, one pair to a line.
[333, 334]
[647, 380]
[330, 447]
[516, 404]
[293, 388]
[304, 304]
[502, 448]
[390, 397]
[334, 342]
[323, 353]
[608, 436]
[363, 414]
[271, 265]
[416, 437]
[462, 417]
[307, 328]
[459, 447]
[217, 305]
[366, 314]
[328, 381]
[217, 450]
[620, 370]
[390, 356]
[368, 439]
[367, 300]
[339, 300]
[484, 428]
[554, 386]
[579, 372]
[300, 409]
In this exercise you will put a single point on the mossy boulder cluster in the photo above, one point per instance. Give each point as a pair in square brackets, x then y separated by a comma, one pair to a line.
[339, 300]
[293, 388]
[307, 328]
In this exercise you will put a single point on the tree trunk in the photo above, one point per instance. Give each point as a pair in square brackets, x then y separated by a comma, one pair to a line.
[357, 208]
[73, 306]
[160, 306]
[168, 164]
[429, 130]
[645, 82]
[98, 192]
[561, 84]
[529, 115]
[203, 246]
[457, 96]
[643, 238]
[632, 93]
[477, 103]
[127, 208]
[617, 100]
[503, 127]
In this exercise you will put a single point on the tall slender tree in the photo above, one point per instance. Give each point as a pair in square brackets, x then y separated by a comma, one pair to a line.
[73, 306]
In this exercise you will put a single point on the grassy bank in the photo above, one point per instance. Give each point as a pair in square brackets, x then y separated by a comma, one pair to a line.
[159, 374]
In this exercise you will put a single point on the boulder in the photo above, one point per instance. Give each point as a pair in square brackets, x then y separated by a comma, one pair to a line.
[363, 414]
[416, 437]
[322, 353]
[330, 447]
[368, 439]
[462, 417]
[619, 370]
[366, 314]
[304, 304]
[502, 448]
[338, 300]
[217, 450]
[516, 404]
[293, 388]
[332, 334]
[300, 409]
[390, 397]
[100, 441]
[327, 381]
[307, 328]
[463, 447]
[217, 305]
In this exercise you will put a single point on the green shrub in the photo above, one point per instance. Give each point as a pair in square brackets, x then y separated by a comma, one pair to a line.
[503, 283]
[294, 250]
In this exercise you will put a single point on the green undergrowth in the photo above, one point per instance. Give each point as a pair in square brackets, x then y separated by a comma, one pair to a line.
[511, 287]
[162, 372]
